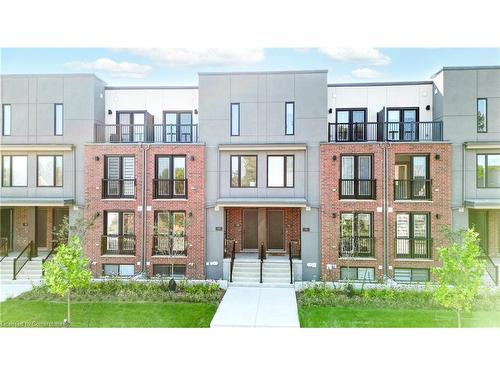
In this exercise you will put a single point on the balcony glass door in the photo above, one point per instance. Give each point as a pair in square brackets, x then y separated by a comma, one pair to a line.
[419, 176]
[178, 126]
[355, 232]
[365, 175]
[401, 124]
[132, 126]
[351, 124]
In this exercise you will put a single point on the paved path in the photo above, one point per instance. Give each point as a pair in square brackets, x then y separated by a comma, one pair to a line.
[13, 289]
[257, 307]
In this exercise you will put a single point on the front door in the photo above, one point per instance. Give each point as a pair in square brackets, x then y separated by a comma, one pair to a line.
[250, 229]
[275, 230]
[41, 228]
[6, 219]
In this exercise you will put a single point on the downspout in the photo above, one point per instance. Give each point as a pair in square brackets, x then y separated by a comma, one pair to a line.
[464, 145]
[384, 210]
[145, 148]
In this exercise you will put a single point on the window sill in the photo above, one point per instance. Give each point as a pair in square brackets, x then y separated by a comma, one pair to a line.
[118, 255]
[356, 258]
[413, 260]
[169, 256]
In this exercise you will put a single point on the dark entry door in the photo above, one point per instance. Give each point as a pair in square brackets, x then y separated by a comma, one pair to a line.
[250, 229]
[6, 226]
[41, 228]
[275, 232]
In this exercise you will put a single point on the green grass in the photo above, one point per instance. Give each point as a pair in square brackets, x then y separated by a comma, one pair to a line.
[360, 317]
[107, 314]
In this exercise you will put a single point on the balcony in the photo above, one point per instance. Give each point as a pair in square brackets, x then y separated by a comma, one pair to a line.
[170, 188]
[161, 133]
[357, 189]
[166, 245]
[413, 248]
[418, 189]
[118, 244]
[422, 131]
[118, 188]
[357, 247]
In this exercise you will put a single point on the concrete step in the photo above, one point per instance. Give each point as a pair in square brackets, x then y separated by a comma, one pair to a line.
[263, 285]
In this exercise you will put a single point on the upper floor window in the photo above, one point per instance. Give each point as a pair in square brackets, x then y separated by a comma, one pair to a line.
[135, 120]
[356, 234]
[289, 118]
[280, 171]
[50, 170]
[119, 233]
[411, 177]
[14, 170]
[6, 119]
[119, 177]
[178, 117]
[244, 171]
[488, 171]
[402, 124]
[169, 238]
[412, 235]
[170, 176]
[350, 124]
[482, 120]
[235, 118]
[356, 177]
[58, 119]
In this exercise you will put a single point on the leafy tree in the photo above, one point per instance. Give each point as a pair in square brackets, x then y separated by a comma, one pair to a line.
[461, 274]
[67, 270]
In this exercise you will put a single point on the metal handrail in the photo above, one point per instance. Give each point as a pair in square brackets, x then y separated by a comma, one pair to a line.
[491, 268]
[118, 188]
[146, 133]
[231, 266]
[291, 262]
[261, 257]
[356, 247]
[4, 249]
[165, 188]
[163, 244]
[357, 188]
[413, 189]
[414, 248]
[16, 268]
[125, 244]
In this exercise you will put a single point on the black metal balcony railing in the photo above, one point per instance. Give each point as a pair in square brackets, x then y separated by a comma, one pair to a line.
[170, 188]
[357, 247]
[357, 188]
[417, 189]
[152, 133]
[422, 131]
[118, 188]
[413, 248]
[169, 245]
[118, 244]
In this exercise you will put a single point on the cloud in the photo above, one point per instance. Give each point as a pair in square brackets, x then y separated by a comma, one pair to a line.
[365, 73]
[115, 69]
[173, 57]
[368, 56]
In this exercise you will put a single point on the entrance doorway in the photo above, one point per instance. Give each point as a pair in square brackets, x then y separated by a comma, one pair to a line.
[41, 228]
[275, 230]
[6, 225]
[250, 230]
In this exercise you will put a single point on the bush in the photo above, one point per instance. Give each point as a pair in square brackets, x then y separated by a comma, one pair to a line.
[134, 291]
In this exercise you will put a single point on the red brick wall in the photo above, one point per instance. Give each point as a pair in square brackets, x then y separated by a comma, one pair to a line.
[440, 173]
[193, 205]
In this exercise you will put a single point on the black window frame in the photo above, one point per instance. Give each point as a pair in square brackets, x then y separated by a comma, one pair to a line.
[120, 222]
[355, 221]
[356, 178]
[357, 274]
[411, 224]
[10, 176]
[239, 171]
[485, 115]
[54, 171]
[171, 176]
[350, 110]
[117, 264]
[55, 119]
[171, 266]
[231, 119]
[411, 269]
[178, 116]
[120, 177]
[3, 120]
[286, 118]
[485, 171]
[285, 165]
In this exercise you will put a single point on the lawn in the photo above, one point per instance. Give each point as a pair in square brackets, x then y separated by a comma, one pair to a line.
[372, 317]
[108, 314]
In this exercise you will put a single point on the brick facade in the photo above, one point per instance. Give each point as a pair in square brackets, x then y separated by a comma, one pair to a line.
[331, 206]
[193, 206]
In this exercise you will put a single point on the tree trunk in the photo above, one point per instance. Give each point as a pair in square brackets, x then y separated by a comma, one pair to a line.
[459, 319]
[69, 311]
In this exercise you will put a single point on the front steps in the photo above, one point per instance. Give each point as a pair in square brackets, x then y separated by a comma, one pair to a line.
[32, 270]
[275, 272]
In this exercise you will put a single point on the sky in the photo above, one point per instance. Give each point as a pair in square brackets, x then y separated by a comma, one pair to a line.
[180, 66]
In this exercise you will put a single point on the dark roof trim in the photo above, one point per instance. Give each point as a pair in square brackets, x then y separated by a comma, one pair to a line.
[264, 72]
[479, 67]
[409, 83]
[150, 87]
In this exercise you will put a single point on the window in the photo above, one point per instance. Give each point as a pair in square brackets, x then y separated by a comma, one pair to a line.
[356, 177]
[170, 233]
[50, 170]
[244, 171]
[412, 235]
[58, 119]
[235, 118]
[411, 177]
[411, 274]
[482, 115]
[6, 119]
[119, 232]
[350, 124]
[14, 170]
[289, 118]
[488, 171]
[356, 234]
[170, 177]
[357, 273]
[176, 271]
[132, 125]
[119, 180]
[178, 127]
[402, 124]
[123, 270]
[280, 171]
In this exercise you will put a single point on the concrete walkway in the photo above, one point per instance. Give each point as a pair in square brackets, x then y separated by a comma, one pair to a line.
[257, 307]
[12, 289]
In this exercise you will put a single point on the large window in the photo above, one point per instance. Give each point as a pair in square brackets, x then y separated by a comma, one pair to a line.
[235, 118]
[119, 181]
[357, 273]
[289, 118]
[58, 119]
[482, 115]
[132, 125]
[402, 124]
[350, 124]
[411, 177]
[280, 171]
[176, 271]
[488, 171]
[411, 274]
[50, 170]
[170, 233]
[119, 232]
[413, 235]
[244, 171]
[14, 170]
[356, 177]
[170, 176]
[6, 119]
[356, 234]
[122, 270]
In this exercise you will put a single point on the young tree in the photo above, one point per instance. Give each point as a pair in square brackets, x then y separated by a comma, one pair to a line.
[461, 274]
[67, 270]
